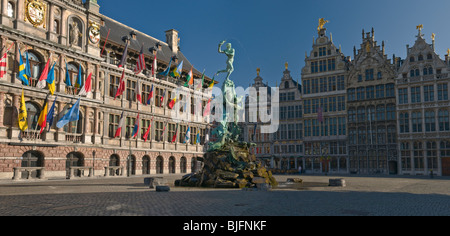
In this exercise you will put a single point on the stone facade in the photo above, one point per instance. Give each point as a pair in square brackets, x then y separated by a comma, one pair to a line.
[372, 136]
[423, 110]
[72, 34]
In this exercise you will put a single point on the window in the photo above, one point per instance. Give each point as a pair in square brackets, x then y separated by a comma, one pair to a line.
[411, 59]
[359, 78]
[322, 51]
[369, 74]
[322, 65]
[340, 82]
[390, 92]
[351, 95]
[158, 94]
[391, 134]
[341, 103]
[351, 115]
[442, 92]
[361, 114]
[381, 135]
[114, 82]
[332, 84]
[286, 84]
[380, 113]
[430, 123]
[144, 126]
[159, 127]
[428, 93]
[380, 91]
[379, 75]
[415, 94]
[418, 156]
[432, 155]
[129, 126]
[371, 113]
[342, 126]
[404, 122]
[113, 125]
[331, 64]
[131, 86]
[56, 26]
[405, 153]
[420, 58]
[171, 131]
[370, 92]
[444, 123]
[145, 93]
[314, 67]
[390, 112]
[403, 96]
[323, 85]
[445, 148]
[35, 66]
[429, 57]
[360, 93]
[416, 121]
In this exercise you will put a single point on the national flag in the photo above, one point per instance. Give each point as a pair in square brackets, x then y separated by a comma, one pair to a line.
[136, 127]
[42, 121]
[188, 135]
[177, 71]
[154, 67]
[174, 100]
[23, 122]
[140, 64]
[87, 87]
[22, 72]
[28, 68]
[43, 78]
[124, 56]
[150, 96]
[162, 98]
[166, 72]
[198, 136]
[4, 62]
[121, 87]
[174, 137]
[138, 91]
[189, 79]
[68, 81]
[78, 83]
[207, 108]
[211, 85]
[200, 85]
[72, 115]
[51, 79]
[51, 114]
[119, 128]
[319, 114]
[148, 130]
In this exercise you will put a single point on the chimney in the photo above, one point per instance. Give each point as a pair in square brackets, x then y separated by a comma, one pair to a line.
[172, 40]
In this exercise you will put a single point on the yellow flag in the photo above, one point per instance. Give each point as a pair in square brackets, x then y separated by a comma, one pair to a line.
[23, 123]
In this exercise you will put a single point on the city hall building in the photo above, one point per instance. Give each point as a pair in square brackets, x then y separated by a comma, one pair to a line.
[80, 41]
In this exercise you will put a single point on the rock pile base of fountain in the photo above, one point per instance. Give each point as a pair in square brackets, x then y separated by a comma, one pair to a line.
[232, 166]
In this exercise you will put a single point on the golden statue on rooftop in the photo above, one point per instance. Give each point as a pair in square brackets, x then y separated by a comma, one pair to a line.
[322, 22]
[419, 27]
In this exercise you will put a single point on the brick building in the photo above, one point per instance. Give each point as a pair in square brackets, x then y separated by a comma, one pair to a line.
[72, 34]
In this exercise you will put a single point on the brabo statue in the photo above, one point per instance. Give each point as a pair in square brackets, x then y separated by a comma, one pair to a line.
[228, 162]
[230, 54]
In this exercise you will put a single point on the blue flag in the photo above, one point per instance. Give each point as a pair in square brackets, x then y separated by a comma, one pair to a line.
[22, 75]
[27, 67]
[50, 115]
[72, 115]
[188, 134]
[166, 72]
[68, 80]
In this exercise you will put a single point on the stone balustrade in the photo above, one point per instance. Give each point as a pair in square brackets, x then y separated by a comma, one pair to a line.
[26, 172]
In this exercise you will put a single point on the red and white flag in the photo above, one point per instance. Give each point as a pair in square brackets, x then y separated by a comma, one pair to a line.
[148, 130]
[138, 91]
[121, 87]
[87, 87]
[154, 67]
[4, 62]
[43, 79]
[140, 64]
[120, 127]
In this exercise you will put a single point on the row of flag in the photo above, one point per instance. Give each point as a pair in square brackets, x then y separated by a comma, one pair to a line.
[46, 115]
[147, 132]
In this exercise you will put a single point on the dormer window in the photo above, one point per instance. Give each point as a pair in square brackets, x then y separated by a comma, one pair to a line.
[411, 59]
[420, 58]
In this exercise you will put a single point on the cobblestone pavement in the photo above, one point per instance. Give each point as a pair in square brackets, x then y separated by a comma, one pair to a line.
[363, 196]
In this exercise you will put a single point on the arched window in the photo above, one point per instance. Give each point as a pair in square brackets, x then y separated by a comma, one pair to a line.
[411, 59]
[159, 165]
[183, 165]
[33, 112]
[74, 159]
[32, 159]
[429, 56]
[35, 65]
[131, 165]
[145, 165]
[114, 160]
[420, 58]
[172, 165]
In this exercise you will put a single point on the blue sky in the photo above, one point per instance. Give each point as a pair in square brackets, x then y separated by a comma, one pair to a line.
[268, 33]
